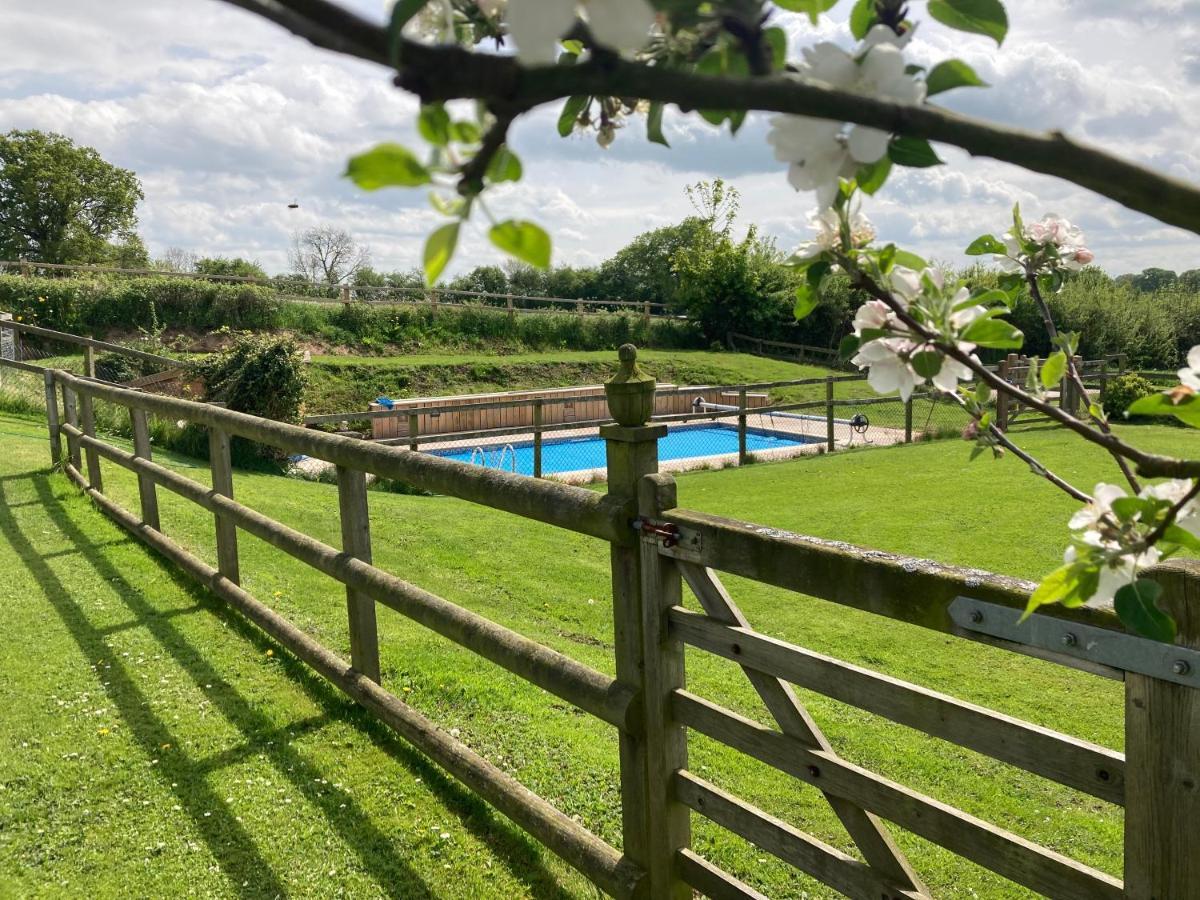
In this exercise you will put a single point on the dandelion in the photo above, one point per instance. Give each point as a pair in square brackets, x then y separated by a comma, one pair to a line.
[270, 653]
[103, 731]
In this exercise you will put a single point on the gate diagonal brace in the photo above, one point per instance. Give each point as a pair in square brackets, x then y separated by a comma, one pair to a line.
[1127, 652]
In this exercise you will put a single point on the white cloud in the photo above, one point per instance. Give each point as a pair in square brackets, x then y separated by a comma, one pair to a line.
[226, 119]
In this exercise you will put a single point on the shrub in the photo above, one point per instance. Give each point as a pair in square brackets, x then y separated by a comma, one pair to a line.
[1122, 391]
[260, 375]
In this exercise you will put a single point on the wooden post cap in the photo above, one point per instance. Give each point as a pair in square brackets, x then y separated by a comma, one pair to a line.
[630, 392]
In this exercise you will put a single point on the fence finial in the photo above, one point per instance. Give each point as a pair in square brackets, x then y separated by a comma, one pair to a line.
[630, 393]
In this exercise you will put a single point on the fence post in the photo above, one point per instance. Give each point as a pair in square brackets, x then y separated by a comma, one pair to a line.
[1162, 760]
[1078, 397]
[87, 424]
[414, 429]
[433, 303]
[89, 360]
[71, 414]
[356, 542]
[52, 419]
[655, 825]
[537, 438]
[829, 441]
[147, 489]
[742, 455]
[222, 482]
[508, 304]
[345, 293]
[908, 420]
[1001, 397]
[1103, 377]
[646, 311]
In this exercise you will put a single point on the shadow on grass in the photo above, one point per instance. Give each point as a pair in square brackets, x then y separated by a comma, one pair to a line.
[226, 837]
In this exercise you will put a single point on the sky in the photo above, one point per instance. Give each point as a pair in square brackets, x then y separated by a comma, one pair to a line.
[227, 119]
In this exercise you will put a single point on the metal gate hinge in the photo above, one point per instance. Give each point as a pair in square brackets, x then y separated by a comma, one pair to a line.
[670, 534]
[1129, 652]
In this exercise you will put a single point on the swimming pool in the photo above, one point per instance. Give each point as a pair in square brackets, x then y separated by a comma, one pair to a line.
[576, 454]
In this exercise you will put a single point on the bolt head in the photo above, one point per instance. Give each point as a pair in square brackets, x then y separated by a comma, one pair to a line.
[1180, 667]
[976, 616]
[1069, 640]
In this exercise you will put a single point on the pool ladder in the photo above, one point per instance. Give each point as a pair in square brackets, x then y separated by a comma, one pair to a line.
[494, 460]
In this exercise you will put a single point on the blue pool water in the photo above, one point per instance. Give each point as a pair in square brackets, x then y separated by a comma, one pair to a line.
[579, 453]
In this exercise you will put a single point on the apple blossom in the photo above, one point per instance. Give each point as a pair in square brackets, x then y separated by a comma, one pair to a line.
[827, 224]
[1175, 491]
[1189, 375]
[1090, 516]
[1115, 569]
[537, 25]
[820, 152]
[1051, 230]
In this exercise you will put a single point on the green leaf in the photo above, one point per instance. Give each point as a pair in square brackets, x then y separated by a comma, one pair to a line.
[994, 333]
[986, 243]
[1181, 536]
[1127, 509]
[910, 260]
[1055, 368]
[452, 206]
[951, 74]
[927, 363]
[991, 298]
[848, 346]
[570, 112]
[1187, 410]
[1136, 605]
[814, 8]
[777, 39]
[465, 132]
[862, 17]
[986, 17]
[1070, 585]
[387, 165]
[871, 177]
[401, 13]
[914, 152]
[524, 240]
[807, 299]
[439, 247]
[654, 118]
[983, 393]
[573, 47]
[504, 166]
[434, 124]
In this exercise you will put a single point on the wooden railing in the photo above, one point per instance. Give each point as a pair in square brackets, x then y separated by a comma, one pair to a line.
[655, 548]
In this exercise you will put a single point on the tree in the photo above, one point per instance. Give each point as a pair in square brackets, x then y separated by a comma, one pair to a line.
[644, 269]
[176, 259]
[327, 254]
[1150, 280]
[236, 267]
[485, 279]
[62, 203]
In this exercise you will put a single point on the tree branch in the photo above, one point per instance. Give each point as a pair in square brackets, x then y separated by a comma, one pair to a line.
[449, 73]
[1076, 379]
[471, 174]
[1150, 465]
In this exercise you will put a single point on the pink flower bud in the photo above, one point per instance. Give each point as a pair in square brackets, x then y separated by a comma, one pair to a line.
[1083, 256]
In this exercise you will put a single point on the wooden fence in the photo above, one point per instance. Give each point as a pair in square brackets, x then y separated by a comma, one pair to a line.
[656, 548]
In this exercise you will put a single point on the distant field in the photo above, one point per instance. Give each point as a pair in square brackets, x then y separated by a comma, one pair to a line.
[151, 744]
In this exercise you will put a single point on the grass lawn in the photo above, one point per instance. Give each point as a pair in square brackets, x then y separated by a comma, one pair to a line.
[152, 744]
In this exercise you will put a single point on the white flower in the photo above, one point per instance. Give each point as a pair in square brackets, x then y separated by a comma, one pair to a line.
[1051, 230]
[538, 25]
[873, 314]
[882, 34]
[491, 8]
[1173, 491]
[828, 227]
[888, 369]
[819, 151]
[1116, 572]
[1190, 374]
[1089, 516]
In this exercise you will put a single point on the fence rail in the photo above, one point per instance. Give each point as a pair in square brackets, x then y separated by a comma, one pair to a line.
[656, 548]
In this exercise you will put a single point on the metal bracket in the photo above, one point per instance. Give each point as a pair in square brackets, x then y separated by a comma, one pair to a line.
[672, 535]
[1168, 662]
